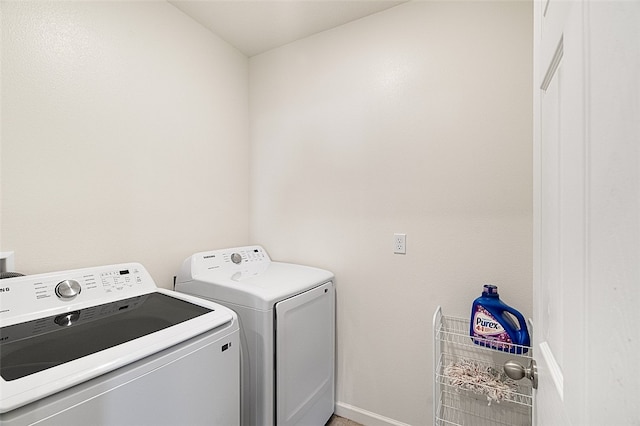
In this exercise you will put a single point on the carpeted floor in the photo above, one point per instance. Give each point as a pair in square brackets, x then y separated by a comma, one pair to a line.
[341, 421]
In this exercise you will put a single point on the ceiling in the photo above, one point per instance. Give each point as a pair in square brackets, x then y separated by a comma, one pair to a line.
[255, 26]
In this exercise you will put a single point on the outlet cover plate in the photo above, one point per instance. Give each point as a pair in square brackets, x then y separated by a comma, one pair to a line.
[400, 243]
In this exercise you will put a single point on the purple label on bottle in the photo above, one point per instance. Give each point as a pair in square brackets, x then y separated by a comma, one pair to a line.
[487, 327]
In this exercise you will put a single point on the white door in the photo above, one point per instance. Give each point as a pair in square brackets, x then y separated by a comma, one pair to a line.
[305, 347]
[587, 211]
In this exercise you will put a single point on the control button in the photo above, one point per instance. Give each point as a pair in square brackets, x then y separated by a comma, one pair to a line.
[67, 319]
[236, 258]
[68, 289]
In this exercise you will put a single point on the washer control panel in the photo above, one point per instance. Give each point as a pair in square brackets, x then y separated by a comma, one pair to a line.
[44, 292]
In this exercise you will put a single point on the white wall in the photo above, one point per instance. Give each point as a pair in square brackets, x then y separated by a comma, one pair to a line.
[124, 136]
[417, 120]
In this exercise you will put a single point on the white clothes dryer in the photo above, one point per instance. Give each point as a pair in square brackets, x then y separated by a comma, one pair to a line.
[105, 346]
[287, 331]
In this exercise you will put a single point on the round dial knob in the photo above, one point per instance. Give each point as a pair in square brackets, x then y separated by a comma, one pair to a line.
[236, 258]
[68, 289]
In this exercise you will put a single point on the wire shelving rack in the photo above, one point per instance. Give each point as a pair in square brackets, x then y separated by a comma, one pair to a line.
[467, 400]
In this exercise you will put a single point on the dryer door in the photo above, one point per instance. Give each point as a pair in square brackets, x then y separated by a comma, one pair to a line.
[305, 342]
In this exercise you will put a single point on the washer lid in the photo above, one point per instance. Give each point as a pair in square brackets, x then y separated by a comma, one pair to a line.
[277, 281]
[80, 340]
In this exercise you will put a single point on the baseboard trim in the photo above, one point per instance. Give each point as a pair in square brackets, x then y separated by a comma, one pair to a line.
[364, 417]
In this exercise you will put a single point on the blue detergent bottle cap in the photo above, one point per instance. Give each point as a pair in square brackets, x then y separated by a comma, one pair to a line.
[490, 290]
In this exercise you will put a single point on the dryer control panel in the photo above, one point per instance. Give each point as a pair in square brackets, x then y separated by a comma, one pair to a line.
[238, 262]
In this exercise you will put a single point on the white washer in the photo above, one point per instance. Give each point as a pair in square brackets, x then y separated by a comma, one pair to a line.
[105, 346]
[287, 327]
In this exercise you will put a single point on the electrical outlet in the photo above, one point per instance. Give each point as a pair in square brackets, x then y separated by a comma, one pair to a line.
[400, 243]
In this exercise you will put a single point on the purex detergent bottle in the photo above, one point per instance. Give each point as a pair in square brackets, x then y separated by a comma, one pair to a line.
[491, 322]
